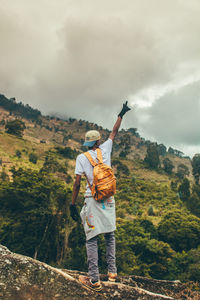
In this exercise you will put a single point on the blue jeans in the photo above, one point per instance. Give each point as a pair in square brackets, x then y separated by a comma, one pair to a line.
[92, 255]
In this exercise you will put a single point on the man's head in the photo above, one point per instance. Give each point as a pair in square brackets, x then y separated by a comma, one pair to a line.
[91, 137]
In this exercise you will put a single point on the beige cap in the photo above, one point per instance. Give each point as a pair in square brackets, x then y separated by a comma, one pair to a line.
[91, 137]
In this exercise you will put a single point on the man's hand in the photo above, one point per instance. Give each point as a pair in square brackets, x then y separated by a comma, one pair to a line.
[124, 110]
[74, 213]
[119, 120]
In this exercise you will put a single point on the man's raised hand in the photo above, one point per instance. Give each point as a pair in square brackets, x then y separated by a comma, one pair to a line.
[124, 110]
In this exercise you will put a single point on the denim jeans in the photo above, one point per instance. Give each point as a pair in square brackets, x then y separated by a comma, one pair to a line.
[92, 255]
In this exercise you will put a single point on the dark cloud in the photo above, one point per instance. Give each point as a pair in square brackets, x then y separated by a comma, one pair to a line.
[174, 118]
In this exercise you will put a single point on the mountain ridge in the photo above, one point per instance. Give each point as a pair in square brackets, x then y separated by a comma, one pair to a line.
[70, 132]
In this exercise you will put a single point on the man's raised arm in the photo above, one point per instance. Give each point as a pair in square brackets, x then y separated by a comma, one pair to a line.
[119, 120]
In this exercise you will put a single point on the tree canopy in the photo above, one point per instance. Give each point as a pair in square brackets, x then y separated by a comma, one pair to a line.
[196, 167]
[34, 209]
[152, 156]
[15, 127]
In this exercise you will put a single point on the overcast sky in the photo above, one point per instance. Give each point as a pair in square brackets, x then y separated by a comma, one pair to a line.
[84, 58]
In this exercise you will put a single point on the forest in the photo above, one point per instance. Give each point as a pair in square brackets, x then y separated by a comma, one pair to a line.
[158, 225]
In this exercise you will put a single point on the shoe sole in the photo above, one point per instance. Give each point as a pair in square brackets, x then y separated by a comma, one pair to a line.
[111, 280]
[91, 288]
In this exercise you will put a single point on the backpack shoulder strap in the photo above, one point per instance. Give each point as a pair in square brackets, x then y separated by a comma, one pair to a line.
[99, 155]
[89, 157]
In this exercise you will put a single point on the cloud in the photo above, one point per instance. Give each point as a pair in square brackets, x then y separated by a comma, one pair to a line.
[84, 58]
[174, 118]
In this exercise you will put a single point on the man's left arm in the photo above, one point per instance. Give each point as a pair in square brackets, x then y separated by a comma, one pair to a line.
[76, 187]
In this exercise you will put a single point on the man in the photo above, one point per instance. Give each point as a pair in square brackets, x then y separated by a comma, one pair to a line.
[97, 216]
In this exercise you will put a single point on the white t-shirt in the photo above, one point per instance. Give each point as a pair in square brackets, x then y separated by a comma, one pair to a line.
[83, 166]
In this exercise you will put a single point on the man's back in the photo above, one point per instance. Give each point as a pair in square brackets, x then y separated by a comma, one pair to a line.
[83, 166]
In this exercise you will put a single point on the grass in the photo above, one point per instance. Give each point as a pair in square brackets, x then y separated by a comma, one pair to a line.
[9, 144]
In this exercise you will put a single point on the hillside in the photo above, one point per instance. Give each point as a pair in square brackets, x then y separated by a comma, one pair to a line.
[158, 213]
[53, 131]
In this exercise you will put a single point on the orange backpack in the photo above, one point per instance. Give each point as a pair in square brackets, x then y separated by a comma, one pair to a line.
[104, 182]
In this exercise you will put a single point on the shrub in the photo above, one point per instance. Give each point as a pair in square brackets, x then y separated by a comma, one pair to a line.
[151, 211]
[184, 190]
[18, 153]
[15, 127]
[33, 158]
[180, 230]
[4, 176]
[152, 157]
[168, 165]
[182, 171]
[67, 152]
[185, 266]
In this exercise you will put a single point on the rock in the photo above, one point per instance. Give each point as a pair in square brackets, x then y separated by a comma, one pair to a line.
[24, 278]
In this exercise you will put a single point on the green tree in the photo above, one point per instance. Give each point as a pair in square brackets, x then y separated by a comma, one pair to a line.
[180, 230]
[194, 264]
[125, 145]
[33, 157]
[121, 168]
[151, 211]
[185, 266]
[182, 171]
[15, 127]
[52, 165]
[193, 203]
[152, 157]
[138, 252]
[162, 150]
[19, 108]
[34, 207]
[171, 150]
[123, 154]
[184, 190]
[18, 153]
[76, 254]
[196, 167]
[67, 152]
[175, 152]
[2, 122]
[3, 175]
[168, 165]
[173, 185]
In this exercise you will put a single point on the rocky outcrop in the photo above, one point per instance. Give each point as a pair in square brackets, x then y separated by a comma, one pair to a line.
[23, 278]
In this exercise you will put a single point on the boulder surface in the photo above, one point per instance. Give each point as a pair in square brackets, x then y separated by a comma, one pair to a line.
[24, 278]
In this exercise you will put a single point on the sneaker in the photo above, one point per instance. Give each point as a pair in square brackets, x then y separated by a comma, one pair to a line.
[112, 276]
[87, 282]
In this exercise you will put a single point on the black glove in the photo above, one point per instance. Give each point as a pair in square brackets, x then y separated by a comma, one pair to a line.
[74, 213]
[124, 110]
